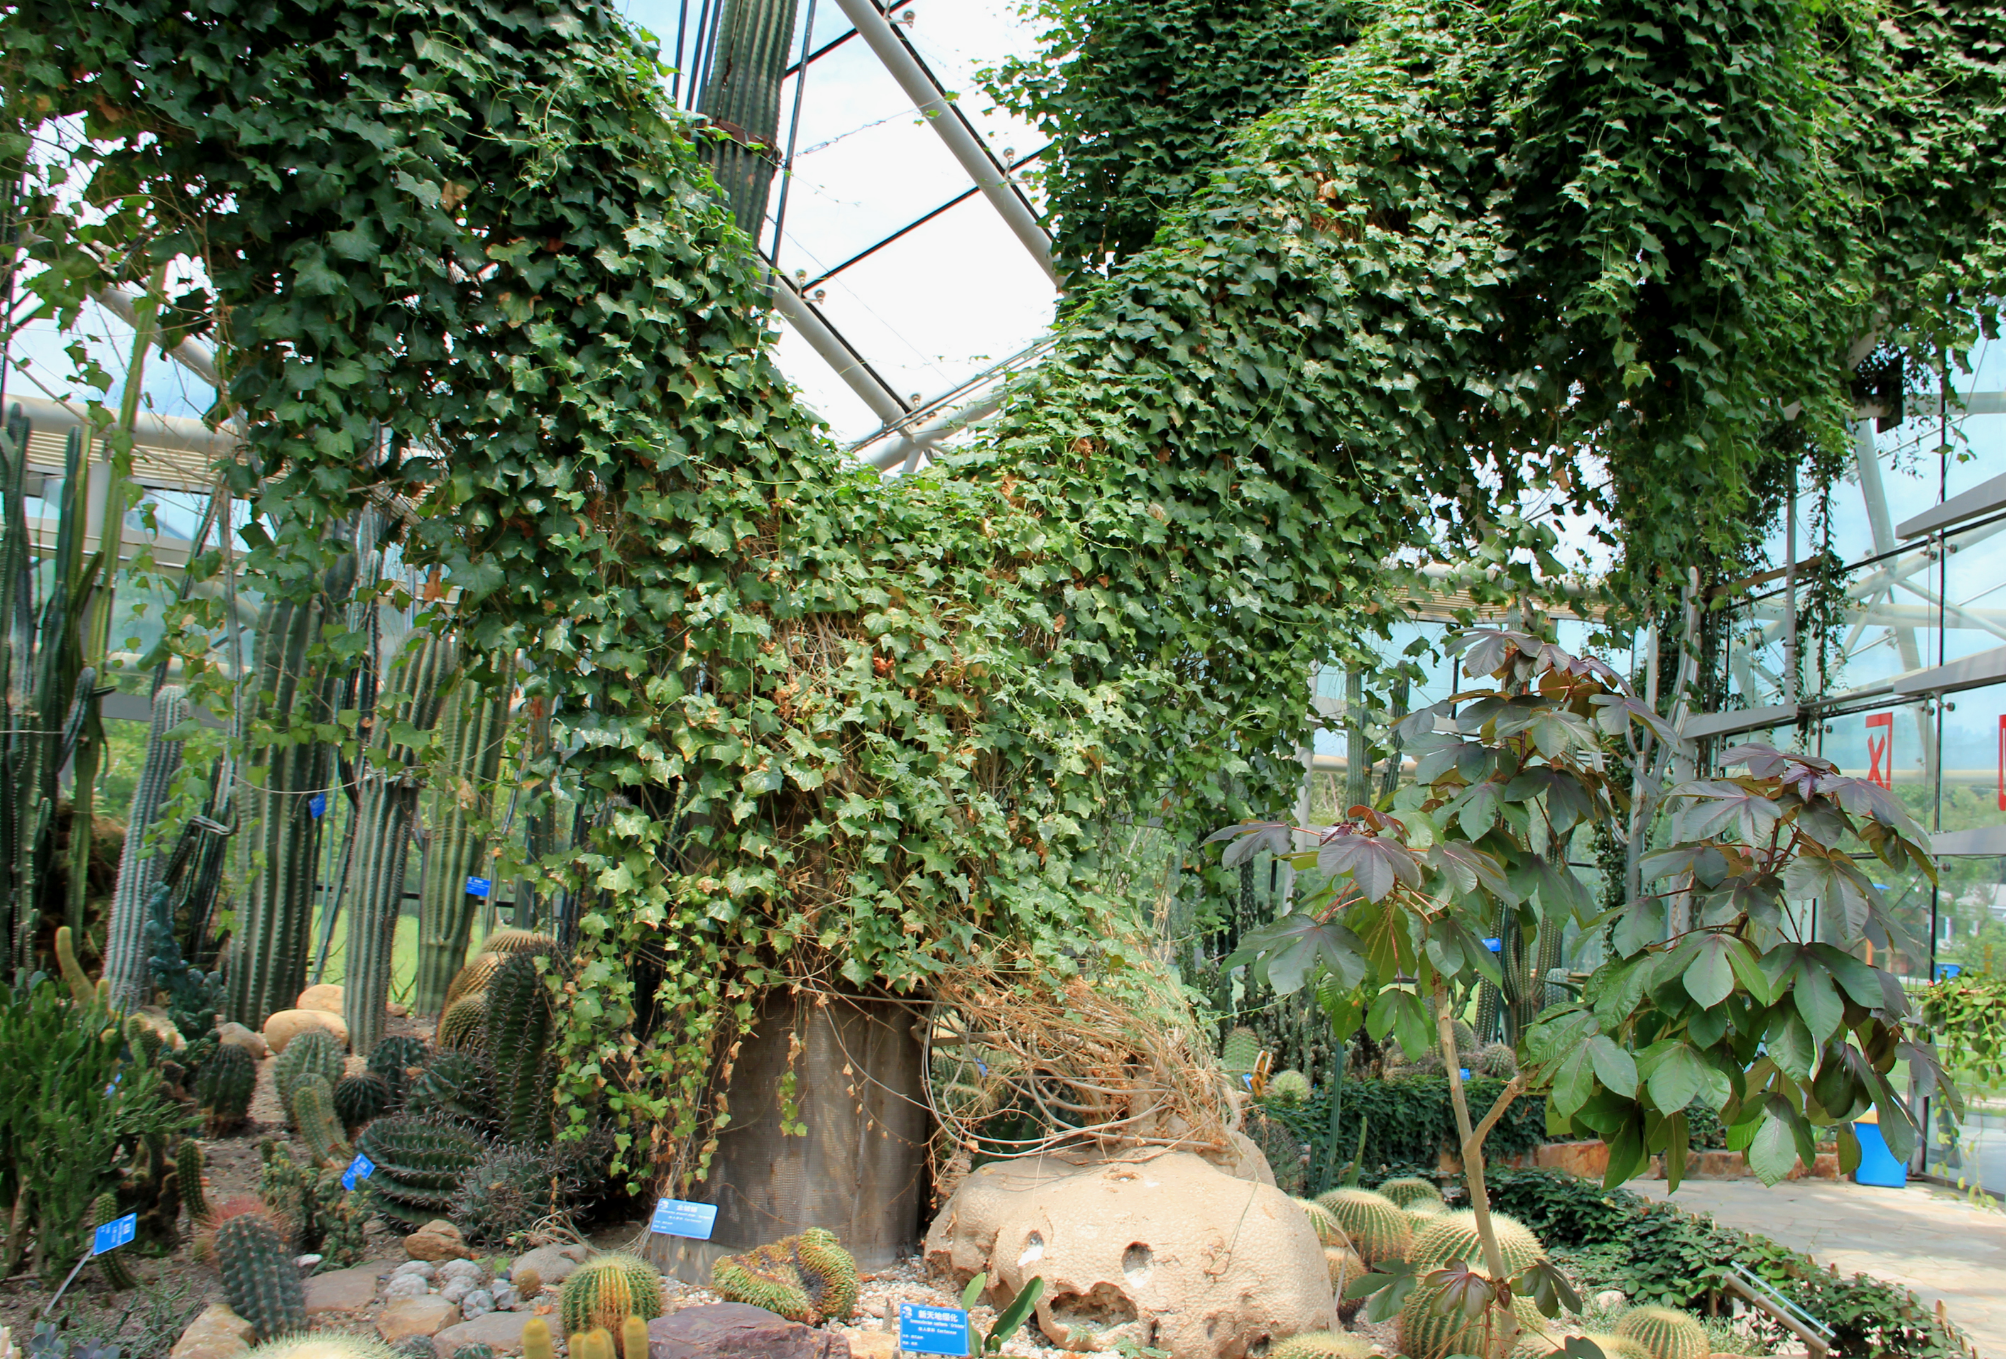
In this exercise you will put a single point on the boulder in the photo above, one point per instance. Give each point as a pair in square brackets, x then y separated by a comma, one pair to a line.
[437, 1240]
[872, 1344]
[343, 1290]
[1161, 1248]
[286, 1025]
[553, 1264]
[237, 1036]
[406, 1317]
[218, 1333]
[500, 1331]
[732, 1330]
[326, 996]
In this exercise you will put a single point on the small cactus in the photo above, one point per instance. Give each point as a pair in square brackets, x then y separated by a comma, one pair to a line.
[1375, 1225]
[536, 1343]
[143, 1039]
[394, 1059]
[1665, 1333]
[475, 1351]
[1322, 1345]
[1288, 1087]
[313, 1110]
[605, 1291]
[1407, 1190]
[358, 1099]
[81, 989]
[188, 1170]
[528, 1284]
[1453, 1236]
[596, 1343]
[313, 1053]
[328, 1345]
[634, 1338]
[1496, 1060]
[1240, 1052]
[808, 1278]
[224, 1087]
[112, 1264]
[260, 1280]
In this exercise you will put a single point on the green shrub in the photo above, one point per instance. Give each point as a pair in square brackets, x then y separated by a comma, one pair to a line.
[1563, 1210]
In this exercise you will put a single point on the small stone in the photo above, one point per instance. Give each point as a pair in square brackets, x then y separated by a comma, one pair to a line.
[477, 1304]
[305, 1261]
[553, 1264]
[455, 1290]
[218, 1333]
[872, 1344]
[237, 1036]
[1610, 1299]
[455, 1270]
[285, 1025]
[416, 1316]
[500, 1330]
[405, 1286]
[437, 1240]
[727, 1330]
[396, 1009]
[325, 996]
[424, 1269]
[342, 1290]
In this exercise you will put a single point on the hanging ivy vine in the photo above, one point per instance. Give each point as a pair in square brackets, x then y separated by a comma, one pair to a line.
[849, 732]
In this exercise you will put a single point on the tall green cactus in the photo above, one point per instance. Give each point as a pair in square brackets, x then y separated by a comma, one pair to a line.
[296, 693]
[516, 1038]
[384, 812]
[458, 850]
[48, 696]
[125, 953]
[260, 1280]
[742, 100]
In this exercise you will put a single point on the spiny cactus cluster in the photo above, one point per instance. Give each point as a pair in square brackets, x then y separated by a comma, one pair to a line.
[1288, 1087]
[1665, 1333]
[607, 1289]
[360, 1098]
[326, 1345]
[808, 1278]
[260, 1280]
[419, 1164]
[455, 1087]
[1453, 1236]
[1496, 1060]
[1374, 1224]
[1322, 1345]
[318, 1215]
[224, 1087]
[393, 1060]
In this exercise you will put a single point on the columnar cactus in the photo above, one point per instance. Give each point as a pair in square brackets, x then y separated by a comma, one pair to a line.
[260, 1281]
[223, 1089]
[1453, 1236]
[1665, 1332]
[385, 809]
[516, 1035]
[313, 1110]
[295, 691]
[1376, 1226]
[188, 1170]
[112, 1264]
[138, 871]
[82, 991]
[459, 848]
[606, 1290]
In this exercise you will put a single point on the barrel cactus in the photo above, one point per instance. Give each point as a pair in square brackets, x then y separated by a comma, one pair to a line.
[518, 941]
[1345, 1267]
[463, 1023]
[1613, 1346]
[1288, 1087]
[1429, 1332]
[1322, 1345]
[419, 1165]
[475, 976]
[1496, 1060]
[1665, 1332]
[327, 1345]
[224, 1087]
[807, 1278]
[1328, 1232]
[1374, 1224]
[360, 1098]
[607, 1289]
[454, 1085]
[1453, 1236]
[1407, 1190]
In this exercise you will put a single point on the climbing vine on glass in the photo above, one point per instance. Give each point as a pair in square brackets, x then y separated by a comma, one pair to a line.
[840, 732]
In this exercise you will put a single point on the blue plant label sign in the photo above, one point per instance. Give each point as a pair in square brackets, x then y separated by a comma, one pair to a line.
[114, 1234]
[675, 1217]
[479, 887]
[317, 804]
[360, 1169]
[1945, 971]
[1494, 945]
[932, 1330]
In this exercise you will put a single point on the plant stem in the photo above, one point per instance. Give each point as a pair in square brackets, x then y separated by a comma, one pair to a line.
[1473, 1157]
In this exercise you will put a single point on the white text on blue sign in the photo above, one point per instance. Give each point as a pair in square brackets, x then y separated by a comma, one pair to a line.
[674, 1217]
[933, 1330]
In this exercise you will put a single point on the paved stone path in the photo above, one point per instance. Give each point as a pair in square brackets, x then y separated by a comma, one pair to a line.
[1927, 1238]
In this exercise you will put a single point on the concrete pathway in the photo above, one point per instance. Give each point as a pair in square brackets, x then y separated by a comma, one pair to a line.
[1928, 1238]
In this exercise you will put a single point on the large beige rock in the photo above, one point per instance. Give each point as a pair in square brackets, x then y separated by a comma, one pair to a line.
[344, 1290]
[437, 1240]
[250, 1040]
[407, 1317]
[218, 1333]
[1165, 1248]
[325, 996]
[286, 1025]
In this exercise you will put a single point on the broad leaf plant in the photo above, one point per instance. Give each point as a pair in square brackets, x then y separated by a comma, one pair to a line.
[1714, 988]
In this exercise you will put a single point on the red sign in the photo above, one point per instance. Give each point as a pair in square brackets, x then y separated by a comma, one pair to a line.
[1881, 753]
